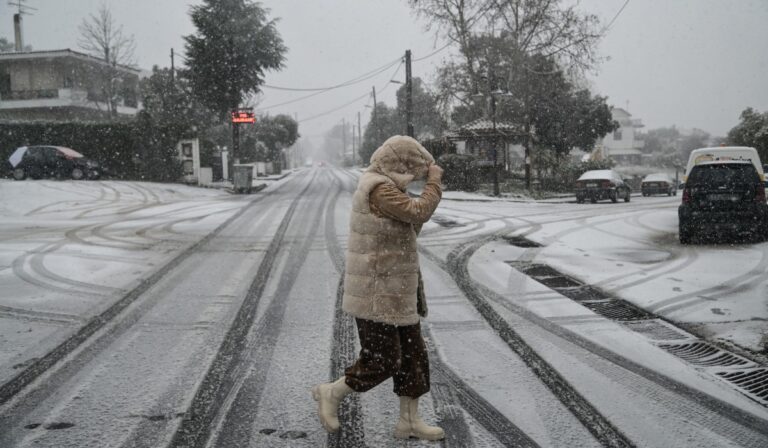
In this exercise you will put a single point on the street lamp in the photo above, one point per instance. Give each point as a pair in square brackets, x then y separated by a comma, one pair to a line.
[493, 94]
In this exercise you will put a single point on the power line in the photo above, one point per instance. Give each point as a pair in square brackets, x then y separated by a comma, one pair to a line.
[367, 94]
[361, 78]
[433, 53]
[605, 30]
[348, 83]
[365, 76]
[322, 114]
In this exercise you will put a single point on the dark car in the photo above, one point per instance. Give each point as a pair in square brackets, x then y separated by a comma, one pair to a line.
[723, 196]
[52, 161]
[658, 183]
[602, 184]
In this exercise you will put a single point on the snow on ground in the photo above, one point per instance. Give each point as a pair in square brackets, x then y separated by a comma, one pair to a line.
[69, 249]
[631, 251]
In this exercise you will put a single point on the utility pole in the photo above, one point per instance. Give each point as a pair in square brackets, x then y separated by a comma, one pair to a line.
[173, 69]
[375, 121]
[495, 147]
[352, 125]
[235, 98]
[343, 139]
[408, 95]
[359, 137]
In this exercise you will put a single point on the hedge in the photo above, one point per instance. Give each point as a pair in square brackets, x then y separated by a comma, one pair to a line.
[135, 150]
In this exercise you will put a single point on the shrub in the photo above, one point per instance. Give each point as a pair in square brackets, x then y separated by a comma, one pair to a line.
[136, 150]
[461, 172]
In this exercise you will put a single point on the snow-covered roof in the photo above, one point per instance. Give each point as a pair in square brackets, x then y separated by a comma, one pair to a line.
[599, 174]
[50, 54]
[657, 177]
[484, 127]
[625, 152]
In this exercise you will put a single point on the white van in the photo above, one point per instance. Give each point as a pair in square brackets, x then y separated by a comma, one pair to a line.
[724, 154]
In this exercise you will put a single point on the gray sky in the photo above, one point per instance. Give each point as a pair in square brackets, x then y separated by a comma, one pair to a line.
[691, 63]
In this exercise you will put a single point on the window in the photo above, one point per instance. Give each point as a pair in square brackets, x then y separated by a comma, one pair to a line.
[617, 134]
[188, 167]
[5, 83]
[186, 149]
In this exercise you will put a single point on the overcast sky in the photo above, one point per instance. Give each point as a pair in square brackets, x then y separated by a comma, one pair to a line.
[690, 63]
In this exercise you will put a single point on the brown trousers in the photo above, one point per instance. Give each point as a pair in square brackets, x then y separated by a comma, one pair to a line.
[390, 351]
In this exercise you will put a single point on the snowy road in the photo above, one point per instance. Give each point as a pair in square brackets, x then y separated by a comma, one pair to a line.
[140, 314]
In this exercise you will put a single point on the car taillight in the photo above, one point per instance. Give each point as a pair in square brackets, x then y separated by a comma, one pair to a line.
[686, 195]
[760, 193]
[607, 184]
[579, 184]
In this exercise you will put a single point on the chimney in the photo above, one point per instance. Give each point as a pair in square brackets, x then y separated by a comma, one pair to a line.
[17, 32]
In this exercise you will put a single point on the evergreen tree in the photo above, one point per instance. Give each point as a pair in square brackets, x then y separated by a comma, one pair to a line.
[752, 131]
[235, 43]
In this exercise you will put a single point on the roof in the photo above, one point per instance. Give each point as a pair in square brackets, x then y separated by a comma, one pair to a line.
[624, 152]
[484, 127]
[49, 54]
[657, 177]
[725, 162]
[599, 174]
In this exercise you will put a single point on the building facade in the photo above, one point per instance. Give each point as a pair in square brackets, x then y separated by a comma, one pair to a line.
[65, 85]
[623, 145]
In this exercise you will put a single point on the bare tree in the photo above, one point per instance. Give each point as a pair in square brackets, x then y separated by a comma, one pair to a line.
[102, 38]
[528, 27]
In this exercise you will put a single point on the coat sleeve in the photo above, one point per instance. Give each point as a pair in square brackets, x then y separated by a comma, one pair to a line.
[391, 202]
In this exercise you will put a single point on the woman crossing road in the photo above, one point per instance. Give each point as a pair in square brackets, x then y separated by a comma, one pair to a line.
[383, 290]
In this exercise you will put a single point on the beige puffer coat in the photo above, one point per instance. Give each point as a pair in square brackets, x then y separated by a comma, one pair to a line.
[382, 269]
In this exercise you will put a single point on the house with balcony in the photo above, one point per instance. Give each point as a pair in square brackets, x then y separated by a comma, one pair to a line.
[65, 85]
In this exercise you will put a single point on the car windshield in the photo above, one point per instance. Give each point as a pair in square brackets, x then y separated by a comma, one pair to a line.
[383, 223]
[725, 174]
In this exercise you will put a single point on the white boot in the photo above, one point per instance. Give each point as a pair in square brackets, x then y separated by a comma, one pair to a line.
[411, 425]
[328, 396]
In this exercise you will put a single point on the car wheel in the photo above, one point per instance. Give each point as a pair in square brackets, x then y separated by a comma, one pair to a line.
[626, 197]
[94, 175]
[686, 234]
[19, 174]
[579, 200]
[613, 196]
[593, 199]
[78, 174]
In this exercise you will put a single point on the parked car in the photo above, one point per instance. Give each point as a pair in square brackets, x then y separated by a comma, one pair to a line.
[596, 185]
[724, 154]
[658, 183]
[723, 196]
[52, 161]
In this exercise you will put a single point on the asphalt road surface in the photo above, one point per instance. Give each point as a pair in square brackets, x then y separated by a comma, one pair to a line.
[218, 341]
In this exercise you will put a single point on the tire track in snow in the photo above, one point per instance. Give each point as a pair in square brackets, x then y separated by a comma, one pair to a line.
[195, 428]
[34, 370]
[724, 419]
[600, 427]
[233, 428]
[352, 431]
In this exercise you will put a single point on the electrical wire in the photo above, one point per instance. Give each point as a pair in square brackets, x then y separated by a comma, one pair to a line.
[433, 53]
[367, 94]
[365, 76]
[356, 80]
[322, 114]
[359, 79]
[605, 30]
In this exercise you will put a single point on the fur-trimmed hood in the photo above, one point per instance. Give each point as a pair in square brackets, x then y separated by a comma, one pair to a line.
[402, 159]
